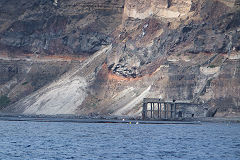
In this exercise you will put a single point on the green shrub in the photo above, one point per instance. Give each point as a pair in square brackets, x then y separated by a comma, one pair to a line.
[212, 66]
[24, 83]
[4, 101]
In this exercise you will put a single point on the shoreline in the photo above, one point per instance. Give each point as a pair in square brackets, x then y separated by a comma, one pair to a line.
[112, 119]
[85, 119]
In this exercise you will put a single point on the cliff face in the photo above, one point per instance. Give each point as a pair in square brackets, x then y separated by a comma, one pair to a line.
[190, 54]
[186, 50]
[199, 27]
[40, 40]
[68, 27]
[141, 9]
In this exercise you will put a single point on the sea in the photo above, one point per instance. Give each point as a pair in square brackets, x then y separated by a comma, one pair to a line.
[29, 140]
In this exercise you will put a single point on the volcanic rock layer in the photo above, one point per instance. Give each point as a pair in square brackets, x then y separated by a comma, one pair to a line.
[115, 53]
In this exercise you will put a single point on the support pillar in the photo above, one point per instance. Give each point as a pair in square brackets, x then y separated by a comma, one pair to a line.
[160, 111]
[175, 110]
[151, 110]
[144, 111]
[165, 111]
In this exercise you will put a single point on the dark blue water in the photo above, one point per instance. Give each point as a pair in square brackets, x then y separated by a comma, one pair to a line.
[59, 140]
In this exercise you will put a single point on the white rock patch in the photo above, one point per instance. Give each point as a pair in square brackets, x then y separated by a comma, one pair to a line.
[132, 103]
[60, 100]
[209, 71]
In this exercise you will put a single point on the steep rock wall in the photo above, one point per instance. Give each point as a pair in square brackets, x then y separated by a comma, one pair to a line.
[70, 27]
[174, 50]
[40, 40]
[195, 47]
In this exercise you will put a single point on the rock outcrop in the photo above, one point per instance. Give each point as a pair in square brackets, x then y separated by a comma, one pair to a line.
[194, 43]
[184, 50]
[204, 27]
[168, 9]
[66, 27]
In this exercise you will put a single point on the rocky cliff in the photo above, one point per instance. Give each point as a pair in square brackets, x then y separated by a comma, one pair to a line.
[42, 39]
[184, 50]
[68, 27]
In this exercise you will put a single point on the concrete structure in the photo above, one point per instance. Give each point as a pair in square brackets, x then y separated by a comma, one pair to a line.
[157, 109]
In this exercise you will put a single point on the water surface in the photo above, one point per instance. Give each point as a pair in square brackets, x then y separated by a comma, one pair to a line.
[60, 140]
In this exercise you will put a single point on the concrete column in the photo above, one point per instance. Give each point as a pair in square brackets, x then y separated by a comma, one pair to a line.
[175, 110]
[151, 111]
[165, 111]
[144, 111]
[160, 110]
